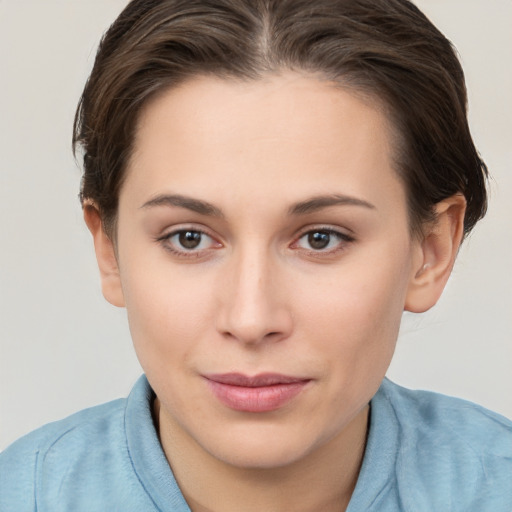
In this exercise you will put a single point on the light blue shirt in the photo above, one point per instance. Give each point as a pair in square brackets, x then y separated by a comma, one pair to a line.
[425, 453]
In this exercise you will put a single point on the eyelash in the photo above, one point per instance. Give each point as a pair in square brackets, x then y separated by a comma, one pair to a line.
[343, 240]
[165, 240]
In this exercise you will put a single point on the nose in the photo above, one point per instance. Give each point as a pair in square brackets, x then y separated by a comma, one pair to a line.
[253, 305]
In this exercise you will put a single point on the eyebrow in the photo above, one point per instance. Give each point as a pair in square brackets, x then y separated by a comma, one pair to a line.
[310, 205]
[195, 205]
[319, 202]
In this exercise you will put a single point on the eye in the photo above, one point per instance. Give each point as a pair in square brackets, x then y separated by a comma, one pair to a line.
[323, 240]
[188, 239]
[188, 242]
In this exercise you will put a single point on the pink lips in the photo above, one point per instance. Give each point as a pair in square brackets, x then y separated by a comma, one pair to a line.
[260, 393]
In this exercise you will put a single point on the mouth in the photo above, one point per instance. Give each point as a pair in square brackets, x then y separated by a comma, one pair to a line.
[259, 393]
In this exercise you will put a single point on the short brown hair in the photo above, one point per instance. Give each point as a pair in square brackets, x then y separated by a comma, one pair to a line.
[385, 48]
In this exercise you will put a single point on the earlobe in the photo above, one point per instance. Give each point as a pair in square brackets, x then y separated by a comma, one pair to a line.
[436, 255]
[105, 256]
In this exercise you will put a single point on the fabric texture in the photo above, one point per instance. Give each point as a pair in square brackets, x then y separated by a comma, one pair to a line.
[426, 452]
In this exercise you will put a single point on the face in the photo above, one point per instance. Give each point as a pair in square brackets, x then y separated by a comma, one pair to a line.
[265, 258]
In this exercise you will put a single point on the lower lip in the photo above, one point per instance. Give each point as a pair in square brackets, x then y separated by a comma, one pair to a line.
[256, 399]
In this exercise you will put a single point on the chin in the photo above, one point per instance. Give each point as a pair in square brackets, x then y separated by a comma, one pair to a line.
[262, 447]
[255, 459]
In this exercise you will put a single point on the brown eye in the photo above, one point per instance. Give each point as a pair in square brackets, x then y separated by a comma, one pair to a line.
[323, 241]
[319, 240]
[189, 239]
[189, 243]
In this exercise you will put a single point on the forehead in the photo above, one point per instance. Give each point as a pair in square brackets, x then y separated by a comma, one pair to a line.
[287, 135]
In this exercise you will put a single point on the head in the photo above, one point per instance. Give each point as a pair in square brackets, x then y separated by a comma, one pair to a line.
[269, 185]
[386, 50]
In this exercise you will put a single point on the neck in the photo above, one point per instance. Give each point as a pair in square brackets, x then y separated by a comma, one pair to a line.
[322, 480]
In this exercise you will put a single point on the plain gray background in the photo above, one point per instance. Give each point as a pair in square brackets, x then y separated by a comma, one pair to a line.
[63, 348]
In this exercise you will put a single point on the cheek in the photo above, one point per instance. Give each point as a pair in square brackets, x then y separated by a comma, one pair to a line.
[355, 316]
[355, 328]
[167, 313]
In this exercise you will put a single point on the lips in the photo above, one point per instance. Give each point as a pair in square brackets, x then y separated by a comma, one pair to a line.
[260, 393]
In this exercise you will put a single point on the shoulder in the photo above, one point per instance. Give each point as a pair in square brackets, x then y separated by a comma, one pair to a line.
[69, 431]
[452, 446]
[452, 418]
[51, 447]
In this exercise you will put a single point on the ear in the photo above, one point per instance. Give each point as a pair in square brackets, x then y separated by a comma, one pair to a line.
[106, 257]
[436, 255]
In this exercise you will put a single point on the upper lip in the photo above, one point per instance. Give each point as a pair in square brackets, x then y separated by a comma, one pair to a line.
[255, 381]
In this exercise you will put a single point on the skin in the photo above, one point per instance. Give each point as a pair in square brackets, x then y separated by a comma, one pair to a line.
[255, 296]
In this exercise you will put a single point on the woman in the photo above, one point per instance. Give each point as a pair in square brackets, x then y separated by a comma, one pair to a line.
[269, 185]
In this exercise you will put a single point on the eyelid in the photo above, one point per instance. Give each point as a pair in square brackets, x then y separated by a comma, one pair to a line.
[344, 233]
[175, 230]
[344, 239]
